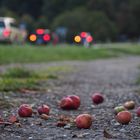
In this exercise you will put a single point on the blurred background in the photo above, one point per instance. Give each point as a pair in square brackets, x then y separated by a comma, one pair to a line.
[63, 20]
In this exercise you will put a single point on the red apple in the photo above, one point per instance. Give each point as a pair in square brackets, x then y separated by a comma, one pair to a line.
[97, 98]
[138, 111]
[66, 103]
[84, 121]
[76, 101]
[124, 117]
[25, 110]
[44, 109]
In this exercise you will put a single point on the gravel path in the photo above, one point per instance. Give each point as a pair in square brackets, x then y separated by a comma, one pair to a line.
[115, 78]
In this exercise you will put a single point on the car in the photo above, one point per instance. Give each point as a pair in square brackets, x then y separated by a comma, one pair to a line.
[40, 36]
[9, 31]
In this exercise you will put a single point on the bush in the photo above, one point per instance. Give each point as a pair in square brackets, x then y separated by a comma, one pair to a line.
[97, 23]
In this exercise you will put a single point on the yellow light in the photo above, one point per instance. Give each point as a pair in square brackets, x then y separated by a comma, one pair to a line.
[77, 38]
[32, 37]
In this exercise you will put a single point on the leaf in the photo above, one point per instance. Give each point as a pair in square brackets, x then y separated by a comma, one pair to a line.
[61, 124]
[13, 119]
[44, 116]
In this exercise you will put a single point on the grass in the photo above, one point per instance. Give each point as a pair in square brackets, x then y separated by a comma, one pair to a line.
[138, 78]
[33, 54]
[20, 78]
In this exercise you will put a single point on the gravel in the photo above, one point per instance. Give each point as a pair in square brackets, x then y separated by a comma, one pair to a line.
[115, 78]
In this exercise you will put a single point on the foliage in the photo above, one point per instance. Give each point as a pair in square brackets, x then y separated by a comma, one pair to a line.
[115, 17]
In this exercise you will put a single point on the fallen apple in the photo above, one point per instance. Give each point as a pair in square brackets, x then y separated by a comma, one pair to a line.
[124, 117]
[97, 98]
[25, 110]
[66, 103]
[119, 109]
[129, 105]
[76, 101]
[44, 109]
[84, 121]
[138, 111]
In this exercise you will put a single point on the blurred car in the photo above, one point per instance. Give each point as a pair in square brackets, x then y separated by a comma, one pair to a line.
[84, 38]
[9, 31]
[40, 36]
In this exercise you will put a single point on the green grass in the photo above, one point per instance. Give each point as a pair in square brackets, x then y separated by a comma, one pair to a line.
[138, 78]
[32, 54]
[27, 54]
[20, 78]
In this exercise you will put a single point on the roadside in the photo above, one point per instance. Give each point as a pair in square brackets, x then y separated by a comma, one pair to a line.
[115, 78]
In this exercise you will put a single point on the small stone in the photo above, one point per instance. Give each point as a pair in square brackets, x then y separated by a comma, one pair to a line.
[68, 126]
[122, 130]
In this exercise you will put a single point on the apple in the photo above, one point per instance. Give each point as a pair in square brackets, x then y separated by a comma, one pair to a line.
[84, 121]
[25, 110]
[124, 117]
[76, 101]
[66, 103]
[97, 98]
[138, 111]
[119, 109]
[44, 109]
[129, 105]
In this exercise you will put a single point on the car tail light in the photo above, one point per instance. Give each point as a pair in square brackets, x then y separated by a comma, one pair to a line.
[89, 39]
[83, 34]
[46, 37]
[40, 31]
[6, 33]
[32, 37]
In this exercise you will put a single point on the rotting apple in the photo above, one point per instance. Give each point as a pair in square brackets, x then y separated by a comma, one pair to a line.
[97, 98]
[66, 103]
[124, 117]
[25, 110]
[76, 101]
[44, 109]
[138, 111]
[83, 121]
[119, 109]
[129, 105]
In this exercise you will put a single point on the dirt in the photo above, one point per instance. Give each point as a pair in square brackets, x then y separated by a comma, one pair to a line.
[115, 78]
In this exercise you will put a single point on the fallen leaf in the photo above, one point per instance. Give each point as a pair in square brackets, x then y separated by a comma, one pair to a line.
[44, 116]
[13, 119]
[61, 124]
[28, 91]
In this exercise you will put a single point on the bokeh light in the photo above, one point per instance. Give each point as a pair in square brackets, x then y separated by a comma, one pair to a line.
[32, 37]
[89, 39]
[77, 39]
[40, 31]
[83, 34]
[46, 37]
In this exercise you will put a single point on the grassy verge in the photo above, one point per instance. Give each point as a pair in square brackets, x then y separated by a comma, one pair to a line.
[20, 78]
[31, 54]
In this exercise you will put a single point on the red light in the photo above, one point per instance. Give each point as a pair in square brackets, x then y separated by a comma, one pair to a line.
[6, 33]
[46, 37]
[89, 39]
[83, 34]
[40, 31]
